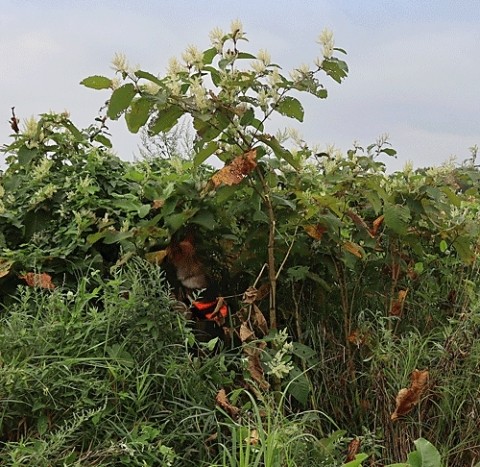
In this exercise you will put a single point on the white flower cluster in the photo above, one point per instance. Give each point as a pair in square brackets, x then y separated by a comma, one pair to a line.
[280, 365]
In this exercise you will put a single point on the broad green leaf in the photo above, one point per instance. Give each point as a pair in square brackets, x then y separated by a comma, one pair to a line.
[166, 120]
[205, 219]
[462, 246]
[299, 386]
[102, 139]
[138, 114]
[246, 55]
[26, 155]
[335, 68]
[357, 462]
[389, 151]
[291, 107]
[148, 76]
[135, 175]
[175, 221]
[426, 454]
[443, 246]
[97, 82]
[205, 153]
[279, 150]
[209, 55]
[79, 136]
[114, 236]
[120, 100]
[397, 218]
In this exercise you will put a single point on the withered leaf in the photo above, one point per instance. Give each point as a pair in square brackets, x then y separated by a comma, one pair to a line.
[258, 320]
[315, 231]
[359, 222]
[41, 280]
[397, 305]
[158, 203]
[5, 265]
[250, 295]
[354, 249]
[222, 400]
[407, 398]
[376, 224]
[252, 438]
[234, 172]
[353, 449]
[246, 334]
[255, 367]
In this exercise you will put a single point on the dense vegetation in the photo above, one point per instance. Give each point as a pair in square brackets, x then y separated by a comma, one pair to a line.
[360, 283]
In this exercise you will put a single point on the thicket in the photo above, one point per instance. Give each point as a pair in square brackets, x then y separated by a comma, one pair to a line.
[370, 283]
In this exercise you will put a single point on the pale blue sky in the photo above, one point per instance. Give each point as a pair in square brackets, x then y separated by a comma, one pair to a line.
[414, 65]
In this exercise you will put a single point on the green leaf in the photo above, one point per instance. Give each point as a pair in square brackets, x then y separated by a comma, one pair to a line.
[426, 455]
[291, 107]
[279, 150]
[209, 55]
[114, 236]
[148, 76]
[357, 462]
[397, 217]
[205, 153]
[335, 68]
[463, 248]
[166, 120]
[247, 55]
[299, 386]
[102, 139]
[97, 82]
[26, 155]
[120, 100]
[205, 219]
[138, 114]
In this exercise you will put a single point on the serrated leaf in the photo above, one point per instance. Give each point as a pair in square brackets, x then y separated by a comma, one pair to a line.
[205, 153]
[291, 107]
[299, 386]
[138, 114]
[97, 82]
[335, 68]
[120, 100]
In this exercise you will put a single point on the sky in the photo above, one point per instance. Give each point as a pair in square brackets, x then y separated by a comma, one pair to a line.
[414, 65]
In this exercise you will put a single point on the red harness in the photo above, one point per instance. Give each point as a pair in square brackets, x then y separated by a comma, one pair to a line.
[216, 310]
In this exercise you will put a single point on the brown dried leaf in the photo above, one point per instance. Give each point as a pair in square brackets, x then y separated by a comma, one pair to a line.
[397, 305]
[353, 449]
[222, 400]
[250, 295]
[158, 203]
[252, 438]
[315, 231]
[359, 222]
[376, 224]
[43, 280]
[234, 172]
[246, 334]
[258, 320]
[407, 398]
[255, 367]
[5, 265]
[354, 249]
